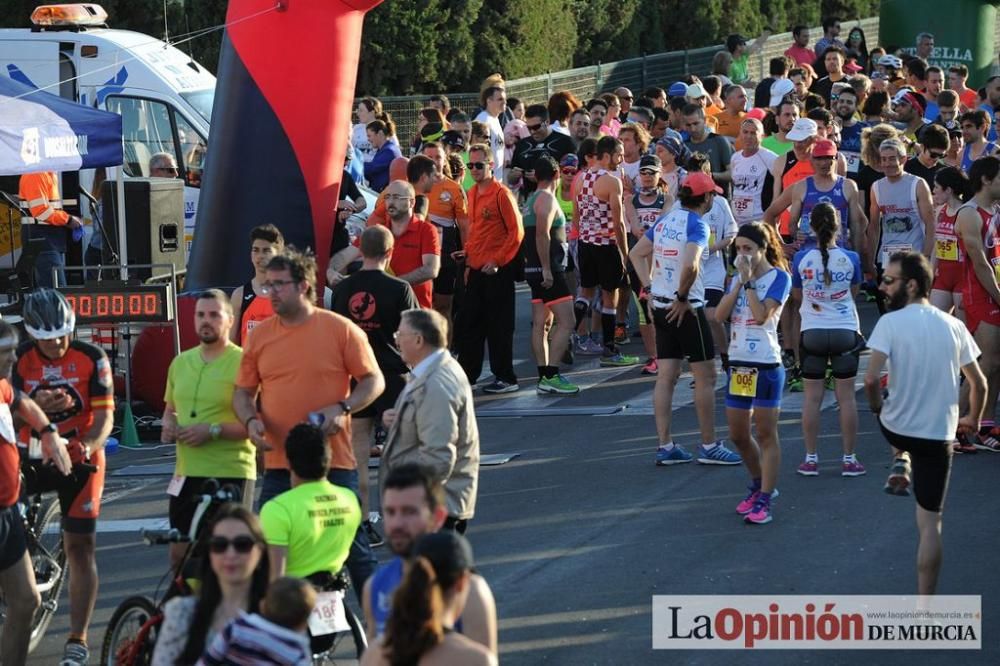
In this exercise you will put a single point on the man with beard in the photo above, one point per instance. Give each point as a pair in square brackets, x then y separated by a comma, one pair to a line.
[845, 105]
[414, 505]
[300, 365]
[199, 417]
[920, 416]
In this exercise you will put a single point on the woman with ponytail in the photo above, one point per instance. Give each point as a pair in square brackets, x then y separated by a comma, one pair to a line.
[753, 307]
[951, 187]
[825, 281]
[426, 605]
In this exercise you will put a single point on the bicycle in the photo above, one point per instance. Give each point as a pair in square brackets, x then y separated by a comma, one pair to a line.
[45, 548]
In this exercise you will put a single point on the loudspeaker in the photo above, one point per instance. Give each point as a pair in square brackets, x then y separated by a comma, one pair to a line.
[154, 217]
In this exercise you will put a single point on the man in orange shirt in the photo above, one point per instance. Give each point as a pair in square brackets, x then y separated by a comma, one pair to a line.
[51, 224]
[449, 212]
[300, 364]
[731, 118]
[491, 256]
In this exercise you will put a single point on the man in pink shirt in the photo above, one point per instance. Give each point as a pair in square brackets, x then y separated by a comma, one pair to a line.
[799, 51]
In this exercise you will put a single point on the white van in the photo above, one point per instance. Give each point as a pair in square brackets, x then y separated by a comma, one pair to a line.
[163, 95]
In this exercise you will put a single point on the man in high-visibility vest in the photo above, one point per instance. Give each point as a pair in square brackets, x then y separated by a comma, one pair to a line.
[39, 193]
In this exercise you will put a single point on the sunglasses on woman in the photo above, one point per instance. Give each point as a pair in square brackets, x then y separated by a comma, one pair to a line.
[241, 544]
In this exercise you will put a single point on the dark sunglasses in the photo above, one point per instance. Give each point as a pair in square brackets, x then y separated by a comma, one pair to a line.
[628, 97]
[649, 172]
[476, 165]
[535, 128]
[936, 155]
[569, 171]
[241, 544]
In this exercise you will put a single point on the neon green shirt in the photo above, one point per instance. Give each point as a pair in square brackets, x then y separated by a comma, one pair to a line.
[206, 391]
[316, 522]
[739, 69]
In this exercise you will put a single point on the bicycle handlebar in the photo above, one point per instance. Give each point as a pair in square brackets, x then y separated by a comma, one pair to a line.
[163, 537]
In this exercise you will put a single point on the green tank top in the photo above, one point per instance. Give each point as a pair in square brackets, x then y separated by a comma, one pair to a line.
[565, 204]
[528, 212]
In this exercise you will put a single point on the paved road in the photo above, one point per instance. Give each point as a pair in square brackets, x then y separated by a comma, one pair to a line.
[578, 532]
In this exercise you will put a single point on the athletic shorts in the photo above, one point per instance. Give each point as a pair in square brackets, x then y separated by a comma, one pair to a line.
[691, 340]
[930, 465]
[948, 276]
[184, 504]
[447, 276]
[767, 384]
[394, 385]
[600, 266]
[837, 347]
[79, 493]
[557, 293]
[13, 541]
[978, 313]
[713, 297]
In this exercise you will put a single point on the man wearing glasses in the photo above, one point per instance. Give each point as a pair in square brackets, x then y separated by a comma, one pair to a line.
[491, 255]
[300, 364]
[542, 141]
[934, 144]
[163, 165]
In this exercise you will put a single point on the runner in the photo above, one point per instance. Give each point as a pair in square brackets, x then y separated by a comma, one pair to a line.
[921, 415]
[975, 126]
[668, 260]
[448, 211]
[846, 107]
[978, 230]
[825, 281]
[71, 382]
[265, 242]
[950, 185]
[602, 247]
[17, 575]
[753, 182]
[756, 376]
[545, 252]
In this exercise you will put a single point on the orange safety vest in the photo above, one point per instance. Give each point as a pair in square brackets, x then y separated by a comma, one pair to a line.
[40, 194]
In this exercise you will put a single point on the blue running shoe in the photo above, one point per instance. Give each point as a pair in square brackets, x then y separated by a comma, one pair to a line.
[674, 456]
[718, 455]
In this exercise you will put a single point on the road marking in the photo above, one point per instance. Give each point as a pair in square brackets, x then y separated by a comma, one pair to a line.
[132, 525]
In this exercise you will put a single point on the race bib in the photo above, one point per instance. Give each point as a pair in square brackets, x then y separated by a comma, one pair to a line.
[853, 161]
[743, 382]
[328, 616]
[889, 250]
[742, 204]
[947, 249]
[175, 486]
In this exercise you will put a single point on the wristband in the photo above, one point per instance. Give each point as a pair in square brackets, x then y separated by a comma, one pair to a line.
[682, 299]
[50, 427]
[748, 285]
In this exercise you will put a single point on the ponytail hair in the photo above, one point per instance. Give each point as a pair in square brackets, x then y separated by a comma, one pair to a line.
[766, 236]
[414, 627]
[950, 178]
[825, 222]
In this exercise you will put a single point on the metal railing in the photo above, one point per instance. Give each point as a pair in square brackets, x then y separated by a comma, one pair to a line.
[660, 69]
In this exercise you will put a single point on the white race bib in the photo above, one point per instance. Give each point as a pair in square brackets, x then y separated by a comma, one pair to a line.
[328, 616]
[889, 250]
[853, 161]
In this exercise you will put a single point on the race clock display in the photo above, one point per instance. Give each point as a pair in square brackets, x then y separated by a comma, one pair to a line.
[112, 303]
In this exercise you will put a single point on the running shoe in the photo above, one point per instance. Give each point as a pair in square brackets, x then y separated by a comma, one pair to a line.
[374, 538]
[808, 468]
[589, 347]
[718, 455]
[760, 514]
[621, 335]
[963, 445]
[75, 654]
[674, 456]
[619, 360]
[744, 507]
[557, 385]
[500, 386]
[988, 440]
[795, 380]
[898, 482]
[853, 468]
[651, 367]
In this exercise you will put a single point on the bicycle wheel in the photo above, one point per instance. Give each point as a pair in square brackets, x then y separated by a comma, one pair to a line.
[131, 633]
[49, 573]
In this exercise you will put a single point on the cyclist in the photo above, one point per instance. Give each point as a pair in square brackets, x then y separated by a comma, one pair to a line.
[71, 381]
[17, 578]
[249, 300]
[309, 529]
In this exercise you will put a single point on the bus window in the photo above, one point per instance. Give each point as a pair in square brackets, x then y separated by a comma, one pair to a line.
[192, 153]
[146, 131]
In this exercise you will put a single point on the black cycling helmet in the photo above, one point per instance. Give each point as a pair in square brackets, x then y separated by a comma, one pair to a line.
[47, 315]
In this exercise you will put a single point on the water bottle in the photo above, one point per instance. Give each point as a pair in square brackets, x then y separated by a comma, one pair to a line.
[111, 446]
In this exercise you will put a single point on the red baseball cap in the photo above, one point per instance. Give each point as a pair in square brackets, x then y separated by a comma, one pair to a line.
[824, 148]
[757, 113]
[700, 183]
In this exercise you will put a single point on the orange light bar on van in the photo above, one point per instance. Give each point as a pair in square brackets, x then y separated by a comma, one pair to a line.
[83, 14]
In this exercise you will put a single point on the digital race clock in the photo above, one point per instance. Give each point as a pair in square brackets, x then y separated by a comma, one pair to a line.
[111, 303]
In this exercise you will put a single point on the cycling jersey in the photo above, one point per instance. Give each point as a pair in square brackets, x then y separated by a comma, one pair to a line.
[834, 196]
[750, 342]
[10, 460]
[751, 179]
[253, 310]
[647, 213]
[316, 522]
[446, 203]
[670, 236]
[827, 306]
[902, 226]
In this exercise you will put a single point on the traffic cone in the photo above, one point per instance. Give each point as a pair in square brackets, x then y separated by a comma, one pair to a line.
[130, 436]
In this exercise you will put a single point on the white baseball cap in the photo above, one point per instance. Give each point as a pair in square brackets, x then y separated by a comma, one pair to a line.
[802, 130]
[695, 90]
[779, 89]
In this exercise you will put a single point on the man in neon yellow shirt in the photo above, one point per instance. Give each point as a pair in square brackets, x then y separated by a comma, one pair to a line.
[199, 417]
[310, 528]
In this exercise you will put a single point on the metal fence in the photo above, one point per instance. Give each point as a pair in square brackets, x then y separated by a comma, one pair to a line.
[660, 69]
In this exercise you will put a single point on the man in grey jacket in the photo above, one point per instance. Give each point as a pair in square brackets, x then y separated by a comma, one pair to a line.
[433, 423]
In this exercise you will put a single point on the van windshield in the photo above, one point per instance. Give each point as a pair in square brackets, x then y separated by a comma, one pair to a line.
[202, 101]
